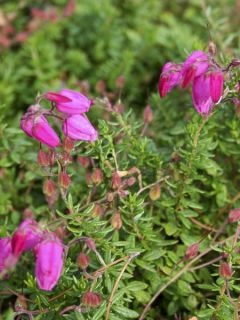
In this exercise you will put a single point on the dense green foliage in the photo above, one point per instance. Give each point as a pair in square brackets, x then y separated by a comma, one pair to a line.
[194, 161]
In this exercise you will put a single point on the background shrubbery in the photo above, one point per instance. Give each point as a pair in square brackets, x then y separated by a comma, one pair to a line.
[102, 40]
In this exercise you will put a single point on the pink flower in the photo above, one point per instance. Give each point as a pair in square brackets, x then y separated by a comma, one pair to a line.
[78, 104]
[216, 85]
[78, 127]
[201, 94]
[49, 262]
[5, 252]
[169, 78]
[37, 127]
[195, 65]
[26, 237]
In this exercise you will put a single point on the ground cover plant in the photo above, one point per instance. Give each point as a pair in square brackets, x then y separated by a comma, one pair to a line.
[108, 212]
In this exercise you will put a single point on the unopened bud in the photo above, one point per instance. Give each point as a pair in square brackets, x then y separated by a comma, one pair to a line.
[97, 210]
[120, 82]
[91, 299]
[84, 161]
[68, 144]
[49, 187]
[212, 49]
[192, 251]
[27, 213]
[91, 244]
[116, 180]
[155, 192]
[225, 270]
[89, 178]
[101, 86]
[64, 180]
[43, 158]
[83, 260]
[21, 303]
[234, 215]
[97, 176]
[51, 157]
[110, 196]
[148, 114]
[131, 181]
[67, 158]
[116, 221]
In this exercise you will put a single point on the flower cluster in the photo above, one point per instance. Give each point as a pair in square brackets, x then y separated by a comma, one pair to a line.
[47, 247]
[200, 70]
[70, 107]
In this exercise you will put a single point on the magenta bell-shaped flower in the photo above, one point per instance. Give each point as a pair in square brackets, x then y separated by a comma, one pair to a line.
[26, 237]
[195, 65]
[216, 85]
[37, 127]
[169, 78]
[49, 262]
[78, 127]
[78, 104]
[5, 252]
[201, 97]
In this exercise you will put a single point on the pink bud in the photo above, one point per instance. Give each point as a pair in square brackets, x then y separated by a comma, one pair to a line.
[79, 103]
[78, 127]
[91, 244]
[169, 78]
[70, 8]
[148, 114]
[37, 126]
[116, 180]
[131, 181]
[201, 94]
[192, 251]
[68, 144]
[84, 161]
[97, 210]
[43, 159]
[64, 180]
[120, 82]
[26, 237]
[83, 260]
[5, 252]
[116, 221]
[49, 262]
[234, 215]
[225, 270]
[49, 187]
[195, 65]
[21, 37]
[91, 299]
[216, 85]
[97, 176]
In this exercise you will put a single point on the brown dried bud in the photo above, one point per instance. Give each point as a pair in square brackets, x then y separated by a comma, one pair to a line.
[27, 214]
[234, 215]
[89, 178]
[61, 232]
[116, 180]
[91, 299]
[51, 157]
[110, 196]
[120, 82]
[64, 180]
[83, 260]
[101, 86]
[68, 144]
[67, 158]
[212, 49]
[155, 192]
[43, 158]
[84, 161]
[84, 87]
[148, 114]
[116, 221]
[21, 303]
[91, 244]
[192, 251]
[49, 187]
[225, 270]
[97, 176]
[97, 210]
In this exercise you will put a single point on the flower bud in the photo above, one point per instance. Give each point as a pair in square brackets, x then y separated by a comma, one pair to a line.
[116, 221]
[84, 161]
[234, 215]
[68, 144]
[192, 251]
[97, 210]
[120, 82]
[83, 260]
[49, 262]
[155, 192]
[42, 158]
[110, 196]
[64, 180]
[67, 158]
[91, 244]
[21, 303]
[131, 181]
[5, 252]
[148, 114]
[225, 270]
[49, 187]
[91, 299]
[97, 176]
[51, 157]
[27, 213]
[101, 86]
[212, 49]
[116, 180]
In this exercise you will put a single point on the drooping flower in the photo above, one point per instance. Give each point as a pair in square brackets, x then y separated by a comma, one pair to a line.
[26, 237]
[169, 78]
[5, 252]
[201, 97]
[78, 104]
[216, 85]
[78, 127]
[37, 127]
[195, 65]
[49, 262]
